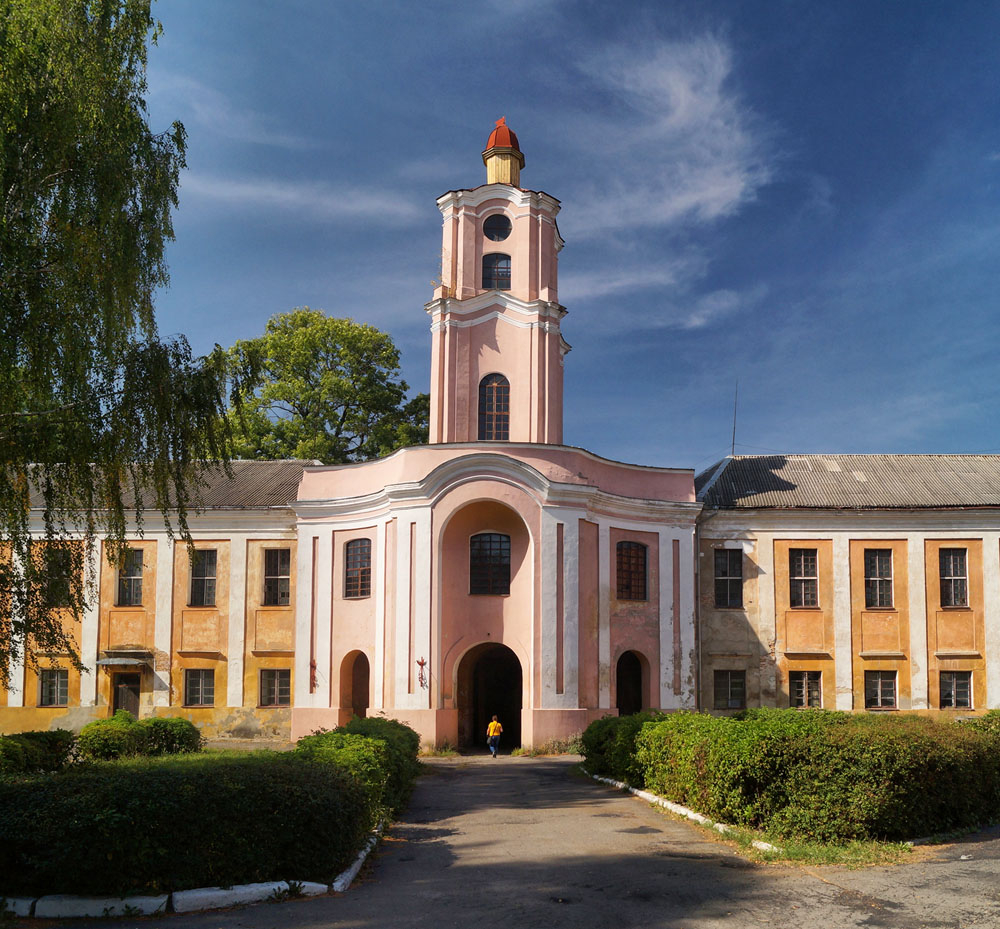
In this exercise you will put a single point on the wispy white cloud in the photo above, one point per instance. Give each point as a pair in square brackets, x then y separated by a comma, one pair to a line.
[581, 286]
[677, 147]
[310, 199]
[213, 111]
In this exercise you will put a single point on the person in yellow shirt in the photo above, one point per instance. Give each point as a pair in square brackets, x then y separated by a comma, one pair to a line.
[493, 731]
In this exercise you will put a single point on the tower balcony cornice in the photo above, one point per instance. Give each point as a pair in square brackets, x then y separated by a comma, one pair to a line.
[516, 196]
[503, 301]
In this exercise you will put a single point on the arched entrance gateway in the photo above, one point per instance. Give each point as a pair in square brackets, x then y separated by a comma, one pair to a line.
[629, 684]
[355, 678]
[490, 683]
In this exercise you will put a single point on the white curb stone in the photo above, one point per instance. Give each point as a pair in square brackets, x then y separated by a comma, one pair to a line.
[214, 898]
[343, 880]
[310, 888]
[68, 906]
[682, 811]
[19, 906]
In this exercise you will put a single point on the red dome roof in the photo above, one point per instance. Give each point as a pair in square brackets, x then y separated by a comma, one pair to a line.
[502, 136]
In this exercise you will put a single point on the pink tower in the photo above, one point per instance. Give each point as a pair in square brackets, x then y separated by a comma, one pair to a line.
[497, 352]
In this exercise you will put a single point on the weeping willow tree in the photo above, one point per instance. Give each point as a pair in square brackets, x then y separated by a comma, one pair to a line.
[96, 410]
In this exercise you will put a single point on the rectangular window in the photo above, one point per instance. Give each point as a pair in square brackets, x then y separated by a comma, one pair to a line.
[878, 577]
[803, 577]
[730, 690]
[53, 687]
[729, 577]
[804, 688]
[630, 562]
[130, 578]
[358, 568]
[58, 566]
[199, 687]
[203, 577]
[277, 576]
[956, 690]
[880, 690]
[954, 577]
[276, 687]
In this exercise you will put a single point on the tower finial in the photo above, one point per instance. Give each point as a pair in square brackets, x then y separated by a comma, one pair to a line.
[503, 157]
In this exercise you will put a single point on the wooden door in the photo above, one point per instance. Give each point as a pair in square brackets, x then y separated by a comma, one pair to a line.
[126, 693]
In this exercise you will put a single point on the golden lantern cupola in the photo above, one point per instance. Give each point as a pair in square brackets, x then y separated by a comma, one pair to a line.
[503, 158]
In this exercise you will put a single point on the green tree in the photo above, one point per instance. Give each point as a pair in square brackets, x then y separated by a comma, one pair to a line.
[329, 390]
[96, 411]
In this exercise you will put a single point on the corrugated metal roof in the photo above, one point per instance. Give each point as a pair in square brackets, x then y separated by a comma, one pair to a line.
[253, 485]
[851, 481]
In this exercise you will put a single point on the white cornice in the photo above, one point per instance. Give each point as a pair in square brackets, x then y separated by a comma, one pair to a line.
[857, 522]
[489, 298]
[516, 196]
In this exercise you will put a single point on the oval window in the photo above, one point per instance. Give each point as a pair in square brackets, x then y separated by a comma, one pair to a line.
[497, 227]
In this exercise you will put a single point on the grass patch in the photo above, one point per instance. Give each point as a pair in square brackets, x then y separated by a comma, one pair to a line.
[444, 750]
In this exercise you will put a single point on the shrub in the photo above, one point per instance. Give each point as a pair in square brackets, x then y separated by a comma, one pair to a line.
[402, 744]
[823, 775]
[170, 735]
[151, 825]
[117, 737]
[28, 752]
[608, 746]
[367, 759]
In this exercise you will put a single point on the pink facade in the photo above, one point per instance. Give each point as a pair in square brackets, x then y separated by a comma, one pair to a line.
[500, 571]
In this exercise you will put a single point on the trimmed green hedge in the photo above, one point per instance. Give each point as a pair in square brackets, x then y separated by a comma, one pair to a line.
[147, 825]
[817, 775]
[367, 759]
[609, 746]
[30, 752]
[123, 735]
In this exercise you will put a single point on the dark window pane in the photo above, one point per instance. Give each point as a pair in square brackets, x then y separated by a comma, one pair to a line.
[803, 577]
[358, 568]
[277, 572]
[494, 408]
[53, 687]
[630, 560]
[880, 689]
[729, 577]
[275, 687]
[489, 563]
[730, 690]
[496, 271]
[203, 577]
[497, 227]
[804, 688]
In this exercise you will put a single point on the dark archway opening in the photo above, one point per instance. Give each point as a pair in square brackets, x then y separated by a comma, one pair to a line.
[629, 684]
[355, 677]
[489, 683]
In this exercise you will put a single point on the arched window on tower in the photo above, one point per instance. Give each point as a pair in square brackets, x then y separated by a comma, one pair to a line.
[494, 408]
[496, 271]
[489, 563]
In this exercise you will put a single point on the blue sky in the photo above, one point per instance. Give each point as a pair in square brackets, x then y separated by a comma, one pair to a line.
[801, 196]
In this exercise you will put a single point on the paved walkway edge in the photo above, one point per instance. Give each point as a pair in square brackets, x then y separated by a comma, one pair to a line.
[682, 811]
[65, 906]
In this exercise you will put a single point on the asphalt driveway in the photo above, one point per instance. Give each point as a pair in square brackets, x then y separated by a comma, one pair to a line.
[530, 842]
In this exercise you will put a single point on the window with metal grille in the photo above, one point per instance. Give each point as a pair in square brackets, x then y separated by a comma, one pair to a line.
[630, 559]
[203, 577]
[497, 227]
[496, 271]
[729, 577]
[489, 563]
[358, 568]
[730, 690]
[494, 408]
[956, 690]
[277, 576]
[199, 687]
[803, 577]
[804, 688]
[878, 577]
[954, 577]
[53, 687]
[130, 578]
[276, 687]
[880, 690]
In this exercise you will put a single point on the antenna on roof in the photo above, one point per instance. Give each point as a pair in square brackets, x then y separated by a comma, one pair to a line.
[736, 398]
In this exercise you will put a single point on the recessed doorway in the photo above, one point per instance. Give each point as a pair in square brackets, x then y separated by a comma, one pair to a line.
[490, 683]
